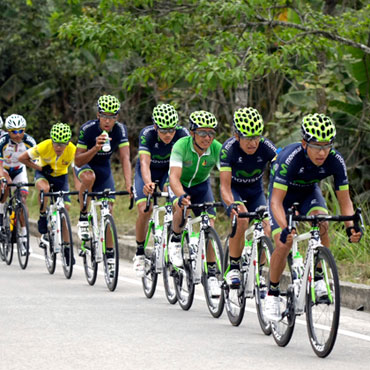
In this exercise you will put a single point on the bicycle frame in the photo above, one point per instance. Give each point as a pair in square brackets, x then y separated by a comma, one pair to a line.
[98, 225]
[256, 231]
[160, 231]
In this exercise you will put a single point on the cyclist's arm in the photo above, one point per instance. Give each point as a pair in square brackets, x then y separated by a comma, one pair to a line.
[26, 159]
[277, 198]
[345, 204]
[84, 155]
[226, 194]
[2, 173]
[175, 183]
[124, 154]
[145, 172]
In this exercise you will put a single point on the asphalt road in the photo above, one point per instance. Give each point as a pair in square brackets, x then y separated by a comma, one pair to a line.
[48, 322]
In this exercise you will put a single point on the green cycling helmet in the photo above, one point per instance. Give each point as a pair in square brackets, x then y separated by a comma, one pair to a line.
[108, 104]
[248, 122]
[165, 116]
[61, 133]
[202, 119]
[318, 127]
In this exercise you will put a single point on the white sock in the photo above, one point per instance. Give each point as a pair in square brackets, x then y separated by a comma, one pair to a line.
[2, 208]
[24, 231]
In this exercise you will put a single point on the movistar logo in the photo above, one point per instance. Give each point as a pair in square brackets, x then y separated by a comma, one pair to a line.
[303, 182]
[81, 135]
[143, 140]
[284, 171]
[242, 173]
[157, 156]
[224, 154]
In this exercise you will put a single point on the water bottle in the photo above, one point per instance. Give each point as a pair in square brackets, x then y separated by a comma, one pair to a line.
[298, 265]
[158, 246]
[194, 239]
[106, 145]
[55, 231]
[248, 247]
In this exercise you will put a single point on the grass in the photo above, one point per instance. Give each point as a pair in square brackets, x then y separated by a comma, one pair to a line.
[353, 260]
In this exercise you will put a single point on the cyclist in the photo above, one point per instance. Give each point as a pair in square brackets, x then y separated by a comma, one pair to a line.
[155, 145]
[2, 132]
[92, 162]
[296, 174]
[243, 161]
[191, 162]
[54, 156]
[14, 142]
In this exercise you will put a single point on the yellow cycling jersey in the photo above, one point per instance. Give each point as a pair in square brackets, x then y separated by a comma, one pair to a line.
[45, 155]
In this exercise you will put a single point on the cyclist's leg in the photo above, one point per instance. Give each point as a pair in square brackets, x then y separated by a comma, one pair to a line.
[315, 204]
[22, 177]
[236, 243]
[5, 197]
[42, 183]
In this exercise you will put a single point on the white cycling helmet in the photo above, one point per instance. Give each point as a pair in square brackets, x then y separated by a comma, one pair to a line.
[15, 121]
[1, 123]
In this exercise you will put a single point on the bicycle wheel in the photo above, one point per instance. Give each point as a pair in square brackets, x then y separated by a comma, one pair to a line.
[111, 260]
[7, 236]
[150, 278]
[282, 330]
[214, 299]
[67, 243]
[50, 255]
[234, 298]
[322, 313]
[88, 249]
[183, 279]
[23, 240]
[264, 251]
[168, 271]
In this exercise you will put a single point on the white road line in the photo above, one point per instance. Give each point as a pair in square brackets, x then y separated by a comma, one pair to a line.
[137, 282]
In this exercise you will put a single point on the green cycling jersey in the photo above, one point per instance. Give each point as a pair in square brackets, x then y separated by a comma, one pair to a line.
[195, 169]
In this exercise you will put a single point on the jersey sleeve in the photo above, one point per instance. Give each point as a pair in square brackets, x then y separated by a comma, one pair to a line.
[218, 151]
[144, 141]
[177, 154]
[339, 169]
[270, 149]
[36, 151]
[226, 157]
[29, 141]
[3, 141]
[123, 141]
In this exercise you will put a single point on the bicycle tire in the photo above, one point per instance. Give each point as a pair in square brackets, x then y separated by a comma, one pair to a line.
[111, 274]
[215, 304]
[183, 279]
[282, 330]
[66, 250]
[23, 245]
[89, 258]
[150, 278]
[168, 281]
[322, 314]
[7, 243]
[234, 298]
[50, 255]
[265, 247]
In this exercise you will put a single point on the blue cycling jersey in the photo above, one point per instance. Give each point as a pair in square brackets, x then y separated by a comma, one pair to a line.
[159, 152]
[246, 170]
[87, 139]
[293, 170]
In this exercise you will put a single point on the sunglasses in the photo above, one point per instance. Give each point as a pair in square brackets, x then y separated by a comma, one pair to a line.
[211, 134]
[166, 130]
[16, 131]
[107, 116]
[251, 138]
[59, 144]
[317, 148]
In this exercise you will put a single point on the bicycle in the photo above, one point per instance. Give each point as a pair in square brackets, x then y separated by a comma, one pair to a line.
[94, 250]
[195, 268]
[298, 294]
[156, 247]
[15, 213]
[255, 262]
[59, 232]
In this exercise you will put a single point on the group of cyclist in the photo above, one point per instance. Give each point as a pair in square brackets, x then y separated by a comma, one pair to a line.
[181, 161]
